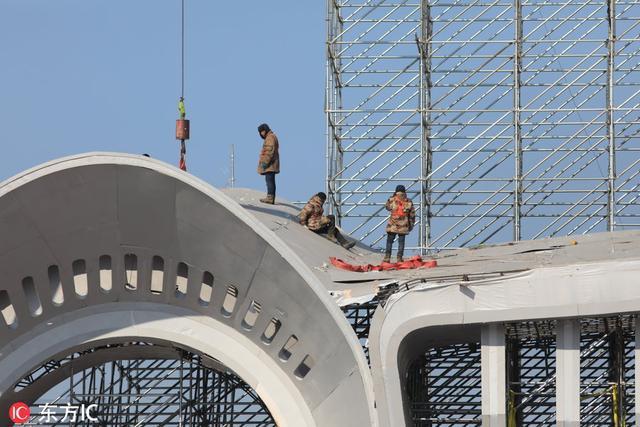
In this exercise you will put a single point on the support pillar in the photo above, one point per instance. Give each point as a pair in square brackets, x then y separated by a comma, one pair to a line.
[426, 153]
[517, 128]
[568, 373]
[493, 372]
[611, 179]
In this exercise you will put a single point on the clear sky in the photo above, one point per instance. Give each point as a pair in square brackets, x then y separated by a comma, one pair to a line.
[79, 76]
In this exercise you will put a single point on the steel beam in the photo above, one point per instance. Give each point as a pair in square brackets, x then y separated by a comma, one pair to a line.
[611, 51]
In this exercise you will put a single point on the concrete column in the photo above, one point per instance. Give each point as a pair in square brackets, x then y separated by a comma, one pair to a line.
[493, 368]
[568, 373]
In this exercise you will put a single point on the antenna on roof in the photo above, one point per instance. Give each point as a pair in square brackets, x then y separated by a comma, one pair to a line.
[232, 168]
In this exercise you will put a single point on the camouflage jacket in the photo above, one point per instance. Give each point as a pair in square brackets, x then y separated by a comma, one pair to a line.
[269, 155]
[312, 214]
[403, 214]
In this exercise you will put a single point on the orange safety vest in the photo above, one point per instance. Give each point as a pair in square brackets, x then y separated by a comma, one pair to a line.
[399, 210]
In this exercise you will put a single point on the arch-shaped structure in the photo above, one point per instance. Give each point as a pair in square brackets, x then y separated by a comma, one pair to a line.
[115, 247]
[482, 300]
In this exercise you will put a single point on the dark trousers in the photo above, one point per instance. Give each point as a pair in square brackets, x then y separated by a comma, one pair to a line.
[332, 231]
[329, 229]
[270, 177]
[390, 238]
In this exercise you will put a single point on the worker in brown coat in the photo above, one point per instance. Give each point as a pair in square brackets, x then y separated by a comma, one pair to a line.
[269, 162]
[312, 216]
[401, 221]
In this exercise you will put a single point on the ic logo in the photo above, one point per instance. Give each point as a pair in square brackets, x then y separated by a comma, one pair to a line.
[19, 413]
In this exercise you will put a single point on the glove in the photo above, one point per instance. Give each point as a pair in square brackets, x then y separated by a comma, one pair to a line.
[264, 166]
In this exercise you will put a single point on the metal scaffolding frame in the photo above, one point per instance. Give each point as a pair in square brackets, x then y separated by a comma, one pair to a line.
[359, 317]
[443, 384]
[443, 387]
[505, 119]
[185, 389]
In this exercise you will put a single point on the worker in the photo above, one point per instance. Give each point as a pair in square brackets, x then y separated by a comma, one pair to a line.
[401, 221]
[312, 216]
[269, 162]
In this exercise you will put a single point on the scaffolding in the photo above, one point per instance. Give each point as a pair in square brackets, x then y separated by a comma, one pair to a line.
[504, 119]
[443, 384]
[141, 384]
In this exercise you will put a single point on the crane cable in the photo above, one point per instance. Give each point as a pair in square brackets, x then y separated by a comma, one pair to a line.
[182, 54]
[181, 109]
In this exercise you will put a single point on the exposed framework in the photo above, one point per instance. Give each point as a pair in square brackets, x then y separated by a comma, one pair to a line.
[359, 317]
[444, 384]
[187, 391]
[505, 119]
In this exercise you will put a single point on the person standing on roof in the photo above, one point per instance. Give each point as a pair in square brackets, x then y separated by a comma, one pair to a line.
[312, 216]
[269, 162]
[401, 221]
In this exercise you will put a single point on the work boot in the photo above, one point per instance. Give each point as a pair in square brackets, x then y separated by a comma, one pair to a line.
[387, 258]
[270, 200]
[399, 259]
[344, 242]
[348, 245]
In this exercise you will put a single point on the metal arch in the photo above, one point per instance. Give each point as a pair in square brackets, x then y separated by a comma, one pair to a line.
[505, 119]
[175, 248]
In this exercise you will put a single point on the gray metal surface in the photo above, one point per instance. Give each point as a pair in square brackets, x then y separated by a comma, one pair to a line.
[108, 247]
[313, 249]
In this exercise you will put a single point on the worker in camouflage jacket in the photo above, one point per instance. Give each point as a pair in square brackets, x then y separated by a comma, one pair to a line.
[269, 162]
[401, 221]
[312, 216]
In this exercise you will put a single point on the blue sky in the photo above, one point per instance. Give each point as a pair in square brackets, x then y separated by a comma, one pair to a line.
[99, 75]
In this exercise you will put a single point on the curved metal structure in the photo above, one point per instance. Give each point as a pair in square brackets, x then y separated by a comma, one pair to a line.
[116, 248]
[479, 333]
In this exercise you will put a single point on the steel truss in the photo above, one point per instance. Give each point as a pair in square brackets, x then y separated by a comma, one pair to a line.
[189, 390]
[505, 119]
[443, 385]
[360, 316]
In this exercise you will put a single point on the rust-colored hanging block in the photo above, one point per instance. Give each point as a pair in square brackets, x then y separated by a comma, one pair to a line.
[182, 129]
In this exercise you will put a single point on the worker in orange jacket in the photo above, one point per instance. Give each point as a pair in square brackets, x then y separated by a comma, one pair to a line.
[401, 221]
[269, 162]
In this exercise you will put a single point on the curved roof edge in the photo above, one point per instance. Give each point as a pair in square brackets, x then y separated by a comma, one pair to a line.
[106, 158]
[579, 289]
